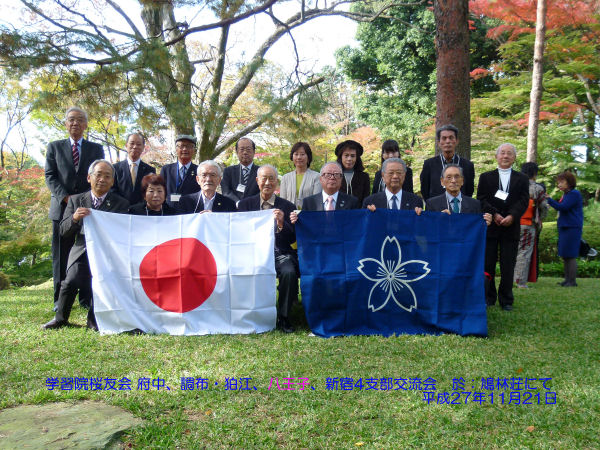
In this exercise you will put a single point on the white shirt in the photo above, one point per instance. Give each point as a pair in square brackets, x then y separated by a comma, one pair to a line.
[389, 196]
[504, 178]
[326, 196]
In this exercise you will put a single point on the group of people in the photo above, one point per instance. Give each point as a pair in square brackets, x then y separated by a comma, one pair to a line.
[80, 179]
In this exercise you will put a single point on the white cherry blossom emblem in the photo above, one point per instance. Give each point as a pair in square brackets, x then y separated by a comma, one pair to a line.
[391, 276]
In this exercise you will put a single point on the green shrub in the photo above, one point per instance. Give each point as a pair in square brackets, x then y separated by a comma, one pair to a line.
[549, 241]
[26, 275]
[4, 281]
[585, 269]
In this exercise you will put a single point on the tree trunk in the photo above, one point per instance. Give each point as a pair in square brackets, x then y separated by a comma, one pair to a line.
[452, 51]
[536, 82]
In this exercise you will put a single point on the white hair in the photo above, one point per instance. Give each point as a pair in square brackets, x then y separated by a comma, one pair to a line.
[513, 148]
[211, 163]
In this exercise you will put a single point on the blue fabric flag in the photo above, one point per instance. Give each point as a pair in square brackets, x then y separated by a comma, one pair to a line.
[392, 272]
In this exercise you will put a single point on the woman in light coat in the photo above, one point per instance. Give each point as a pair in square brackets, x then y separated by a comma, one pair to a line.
[301, 182]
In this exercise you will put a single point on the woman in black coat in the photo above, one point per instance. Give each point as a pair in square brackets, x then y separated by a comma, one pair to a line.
[391, 149]
[356, 181]
[154, 193]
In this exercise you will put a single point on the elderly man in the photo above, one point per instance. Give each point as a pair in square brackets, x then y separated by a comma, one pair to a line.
[330, 198]
[452, 201]
[447, 140]
[101, 178]
[180, 176]
[67, 163]
[239, 181]
[129, 173]
[286, 261]
[207, 199]
[393, 172]
[504, 193]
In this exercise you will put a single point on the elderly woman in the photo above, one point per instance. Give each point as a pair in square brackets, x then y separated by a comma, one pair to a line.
[531, 225]
[570, 224]
[391, 149]
[301, 182]
[356, 181]
[154, 193]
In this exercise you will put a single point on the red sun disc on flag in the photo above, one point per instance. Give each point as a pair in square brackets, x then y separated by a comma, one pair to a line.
[179, 275]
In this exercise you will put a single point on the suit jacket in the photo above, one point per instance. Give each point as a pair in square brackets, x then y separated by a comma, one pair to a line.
[359, 186]
[192, 203]
[112, 203]
[61, 177]
[407, 186]
[408, 201]
[310, 185]
[123, 187]
[231, 179]
[432, 171]
[188, 186]
[344, 201]
[287, 236]
[439, 203]
[515, 204]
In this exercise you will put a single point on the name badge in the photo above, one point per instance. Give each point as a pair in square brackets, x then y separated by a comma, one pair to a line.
[175, 197]
[241, 188]
[501, 195]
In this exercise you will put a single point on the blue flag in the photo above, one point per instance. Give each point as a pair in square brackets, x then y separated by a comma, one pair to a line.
[392, 272]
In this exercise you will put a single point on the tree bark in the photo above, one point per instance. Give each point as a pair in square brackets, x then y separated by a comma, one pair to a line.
[536, 82]
[453, 88]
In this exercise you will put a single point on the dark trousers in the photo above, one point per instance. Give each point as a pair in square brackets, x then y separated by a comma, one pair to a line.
[79, 278]
[508, 248]
[61, 247]
[286, 268]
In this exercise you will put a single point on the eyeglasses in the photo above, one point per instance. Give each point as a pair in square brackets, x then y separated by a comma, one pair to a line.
[209, 175]
[331, 175]
[452, 177]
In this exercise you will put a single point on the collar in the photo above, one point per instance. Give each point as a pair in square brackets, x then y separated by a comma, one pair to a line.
[98, 198]
[271, 201]
[326, 196]
[79, 142]
[130, 162]
[187, 166]
[450, 197]
[249, 166]
[206, 199]
[504, 171]
[389, 196]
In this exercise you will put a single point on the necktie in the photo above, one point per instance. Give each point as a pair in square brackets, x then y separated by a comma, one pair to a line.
[394, 202]
[266, 205]
[455, 208]
[133, 173]
[181, 177]
[75, 155]
[245, 174]
[330, 203]
[96, 202]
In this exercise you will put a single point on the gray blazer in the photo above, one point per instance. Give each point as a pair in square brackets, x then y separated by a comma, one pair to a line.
[310, 185]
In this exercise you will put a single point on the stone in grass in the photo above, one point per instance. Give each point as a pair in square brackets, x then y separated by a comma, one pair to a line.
[64, 425]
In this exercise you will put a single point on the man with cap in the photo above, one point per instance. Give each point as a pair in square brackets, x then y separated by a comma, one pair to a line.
[239, 181]
[180, 176]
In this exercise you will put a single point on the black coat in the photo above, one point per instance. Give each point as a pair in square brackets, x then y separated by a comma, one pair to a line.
[432, 172]
[123, 186]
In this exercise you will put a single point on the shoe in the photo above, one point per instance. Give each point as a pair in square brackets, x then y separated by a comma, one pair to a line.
[55, 324]
[285, 326]
[561, 283]
[507, 307]
[569, 284]
[92, 325]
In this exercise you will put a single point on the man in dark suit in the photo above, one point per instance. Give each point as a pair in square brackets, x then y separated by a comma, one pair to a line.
[129, 173]
[447, 140]
[207, 199]
[101, 178]
[286, 260]
[239, 181]
[504, 193]
[393, 172]
[452, 201]
[67, 163]
[330, 198]
[180, 176]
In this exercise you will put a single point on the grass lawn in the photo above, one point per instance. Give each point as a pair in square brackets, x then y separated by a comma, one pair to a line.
[552, 333]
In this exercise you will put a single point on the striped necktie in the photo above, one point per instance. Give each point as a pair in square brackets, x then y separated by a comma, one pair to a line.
[75, 155]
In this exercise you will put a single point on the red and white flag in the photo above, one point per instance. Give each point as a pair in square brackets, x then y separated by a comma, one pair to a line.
[188, 274]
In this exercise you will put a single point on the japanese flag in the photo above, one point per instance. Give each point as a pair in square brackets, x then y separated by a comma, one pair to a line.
[189, 274]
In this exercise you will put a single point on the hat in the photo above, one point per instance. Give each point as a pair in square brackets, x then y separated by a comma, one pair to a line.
[185, 137]
[353, 145]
